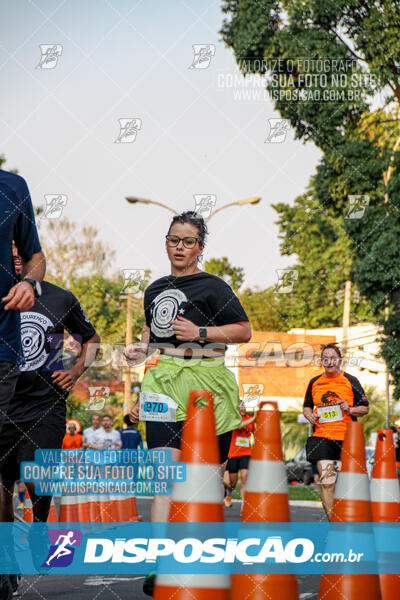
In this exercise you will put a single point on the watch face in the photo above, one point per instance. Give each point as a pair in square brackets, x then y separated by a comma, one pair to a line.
[37, 288]
[202, 333]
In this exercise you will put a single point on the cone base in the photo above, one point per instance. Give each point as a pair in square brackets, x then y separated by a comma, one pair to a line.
[365, 587]
[351, 511]
[385, 512]
[264, 587]
[389, 586]
[193, 512]
[176, 593]
[263, 506]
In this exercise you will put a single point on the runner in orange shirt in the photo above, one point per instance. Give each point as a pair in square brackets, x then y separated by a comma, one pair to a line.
[239, 455]
[72, 440]
[332, 400]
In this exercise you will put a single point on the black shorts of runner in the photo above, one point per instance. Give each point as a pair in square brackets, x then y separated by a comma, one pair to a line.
[237, 463]
[8, 379]
[319, 448]
[19, 441]
[169, 435]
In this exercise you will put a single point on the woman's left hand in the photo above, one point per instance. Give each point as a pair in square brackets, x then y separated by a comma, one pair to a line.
[185, 330]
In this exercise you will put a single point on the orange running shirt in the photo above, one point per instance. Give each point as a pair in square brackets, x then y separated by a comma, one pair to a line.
[240, 442]
[325, 392]
[72, 442]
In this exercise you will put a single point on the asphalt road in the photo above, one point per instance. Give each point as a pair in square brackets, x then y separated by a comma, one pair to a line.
[123, 587]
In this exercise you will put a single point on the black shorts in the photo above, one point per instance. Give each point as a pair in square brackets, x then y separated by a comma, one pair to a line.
[8, 380]
[169, 435]
[319, 448]
[237, 463]
[19, 441]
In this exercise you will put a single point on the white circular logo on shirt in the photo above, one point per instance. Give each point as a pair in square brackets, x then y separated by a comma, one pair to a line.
[33, 337]
[165, 309]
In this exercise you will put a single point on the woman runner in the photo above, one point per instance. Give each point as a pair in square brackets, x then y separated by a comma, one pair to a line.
[333, 399]
[190, 316]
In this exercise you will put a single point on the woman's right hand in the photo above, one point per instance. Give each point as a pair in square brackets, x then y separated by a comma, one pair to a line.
[135, 354]
[134, 414]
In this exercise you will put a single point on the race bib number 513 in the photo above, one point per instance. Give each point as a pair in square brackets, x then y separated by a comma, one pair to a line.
[328, 414]
[156, 407]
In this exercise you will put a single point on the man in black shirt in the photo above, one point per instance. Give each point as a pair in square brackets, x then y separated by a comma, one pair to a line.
[36, 415]
[17, 221]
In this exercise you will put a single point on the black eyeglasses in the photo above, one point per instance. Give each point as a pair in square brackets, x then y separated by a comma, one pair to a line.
[188, 242]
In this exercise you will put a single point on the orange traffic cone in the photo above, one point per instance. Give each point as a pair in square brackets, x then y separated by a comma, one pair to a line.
[82, 508]
[385, 491]
[52, 518]
[385, 498]
[266, 499]
[351, 504]
[127, 510]
[68, 510]
[94, 509]
[198, 499]
[28, 510]
[105, 509]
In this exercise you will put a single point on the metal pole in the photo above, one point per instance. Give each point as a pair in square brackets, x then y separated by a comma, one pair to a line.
[128, 341]
[346, 317]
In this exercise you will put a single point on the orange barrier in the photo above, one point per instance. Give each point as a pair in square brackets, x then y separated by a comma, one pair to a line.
[198, 499]
[98, 509]
[266, 499]
[131, 509]
[385, 498]
[83, 510]
[351, 504]
[68, 510]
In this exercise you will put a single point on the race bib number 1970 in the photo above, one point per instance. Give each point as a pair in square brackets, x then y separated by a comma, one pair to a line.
[328, 414]
[156, 407]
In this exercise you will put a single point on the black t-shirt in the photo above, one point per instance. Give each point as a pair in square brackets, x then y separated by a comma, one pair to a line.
[42, 334]
[203, 298]
[17, 222]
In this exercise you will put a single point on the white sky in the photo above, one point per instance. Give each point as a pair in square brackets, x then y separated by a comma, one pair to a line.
[131, 59]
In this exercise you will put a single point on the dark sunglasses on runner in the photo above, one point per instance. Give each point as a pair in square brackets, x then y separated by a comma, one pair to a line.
[188, 242]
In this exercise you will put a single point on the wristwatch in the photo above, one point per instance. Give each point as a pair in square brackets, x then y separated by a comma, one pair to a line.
[202, 334]
[37, 288]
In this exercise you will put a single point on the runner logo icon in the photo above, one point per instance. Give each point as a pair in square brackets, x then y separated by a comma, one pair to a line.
[61, 551]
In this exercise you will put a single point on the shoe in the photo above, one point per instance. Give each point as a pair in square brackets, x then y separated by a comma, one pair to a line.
[228, 501]
[149, 584]
[5, 588]
[15, 581]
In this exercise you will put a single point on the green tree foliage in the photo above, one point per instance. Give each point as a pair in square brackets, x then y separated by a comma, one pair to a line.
[261, 305]
[262, 308]
[105, 306]
[318, 238]
[234, 276]
[294, 434]
[356, 125]
[376, 418]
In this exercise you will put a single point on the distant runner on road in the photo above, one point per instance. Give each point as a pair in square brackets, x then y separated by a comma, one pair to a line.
[332, 400]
